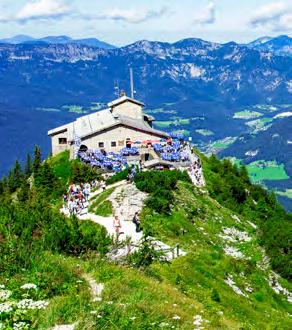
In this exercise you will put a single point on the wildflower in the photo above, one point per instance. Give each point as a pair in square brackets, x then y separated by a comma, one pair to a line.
[6, 308]
[31, 304]
[174, 305]
[5, 294]
[79, 281]
[20, 326]
[2, 286]
[133, 318]
[99, 316]
[233, 252]
[93, 312]
[249, 289]
[176, 317]
[198, 320]
[28, 286]
[110, 302]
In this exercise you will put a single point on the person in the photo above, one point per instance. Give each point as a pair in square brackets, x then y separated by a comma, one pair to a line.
[117, 226]
[140, 165]
[72, 206]
[86, 193]
[137, 222]
[65, 200]
[103, 185]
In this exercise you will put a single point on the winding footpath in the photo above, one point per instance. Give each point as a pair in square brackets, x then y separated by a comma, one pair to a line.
[126, 200]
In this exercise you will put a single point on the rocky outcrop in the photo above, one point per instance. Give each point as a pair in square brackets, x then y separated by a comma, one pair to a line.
[127, 200]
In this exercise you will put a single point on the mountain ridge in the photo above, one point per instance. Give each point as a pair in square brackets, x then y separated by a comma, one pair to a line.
[258, 43]
[24, 39]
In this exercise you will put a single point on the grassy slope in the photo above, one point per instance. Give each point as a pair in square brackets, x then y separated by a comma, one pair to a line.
[186, 287]
[150, 298]
[190, 285]
[203, 271]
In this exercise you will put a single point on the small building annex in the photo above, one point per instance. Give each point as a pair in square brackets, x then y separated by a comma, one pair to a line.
[111, 129]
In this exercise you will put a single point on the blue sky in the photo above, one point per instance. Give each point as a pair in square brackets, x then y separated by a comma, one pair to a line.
[124, 21]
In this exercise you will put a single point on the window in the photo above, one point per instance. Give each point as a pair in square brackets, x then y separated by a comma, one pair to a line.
[128, 139]
[62, 141]
[101, 144]
[121, 143]
[113, 143]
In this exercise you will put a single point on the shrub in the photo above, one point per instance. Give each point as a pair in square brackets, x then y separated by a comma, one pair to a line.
[215, 295]
[104, 209]
[160, 185]
[145, 256]
[118, 177]
[81, 173]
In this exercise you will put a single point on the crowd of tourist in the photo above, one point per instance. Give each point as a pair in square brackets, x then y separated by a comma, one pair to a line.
[172, 149]
[196, 171]
[77, 197]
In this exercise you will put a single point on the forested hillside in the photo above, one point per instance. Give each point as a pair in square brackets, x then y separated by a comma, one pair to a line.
[235, 235]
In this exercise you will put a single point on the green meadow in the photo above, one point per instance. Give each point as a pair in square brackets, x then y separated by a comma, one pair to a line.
[266, 170]
[204, 132]
[247, 114]
[74, 108]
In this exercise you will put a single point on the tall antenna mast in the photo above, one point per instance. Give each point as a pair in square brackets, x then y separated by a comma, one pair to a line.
[132, 83]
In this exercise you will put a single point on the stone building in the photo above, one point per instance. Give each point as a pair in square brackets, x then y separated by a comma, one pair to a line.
[112, 129]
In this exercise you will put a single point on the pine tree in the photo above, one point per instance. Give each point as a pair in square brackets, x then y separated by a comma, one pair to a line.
[37, 159]
[15, 176]
[244, 174]
[45, 177]
[24, 192]
[1, 187]
[28, 166]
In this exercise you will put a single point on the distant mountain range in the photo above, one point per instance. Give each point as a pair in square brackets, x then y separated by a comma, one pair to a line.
[24, 39]
[281, 45]
[200, 81]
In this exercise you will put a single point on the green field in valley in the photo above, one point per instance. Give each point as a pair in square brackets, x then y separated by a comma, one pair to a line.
[265, 170]
[247, 114]
[160, 110]
[204, 132]
[163, 124]
[74, 108]
[259, 124]
[176, 121]
[287, 193]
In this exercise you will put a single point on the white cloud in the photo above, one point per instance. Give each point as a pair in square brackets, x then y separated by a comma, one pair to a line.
[275, 15]
[208, 15]
[128, 15]
[42, 9]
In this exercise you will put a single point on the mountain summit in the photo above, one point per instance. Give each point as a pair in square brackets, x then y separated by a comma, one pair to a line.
[24, 39]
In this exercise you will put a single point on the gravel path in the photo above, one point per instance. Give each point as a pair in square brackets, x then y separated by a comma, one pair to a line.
[126, 200]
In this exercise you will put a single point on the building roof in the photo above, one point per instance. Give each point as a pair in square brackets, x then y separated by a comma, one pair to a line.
[99, 121]
[123, 99]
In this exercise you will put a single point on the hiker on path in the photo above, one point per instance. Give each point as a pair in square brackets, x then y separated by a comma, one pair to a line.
[117, 226]
[103, 185]
[136, 221]
[86, 193]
